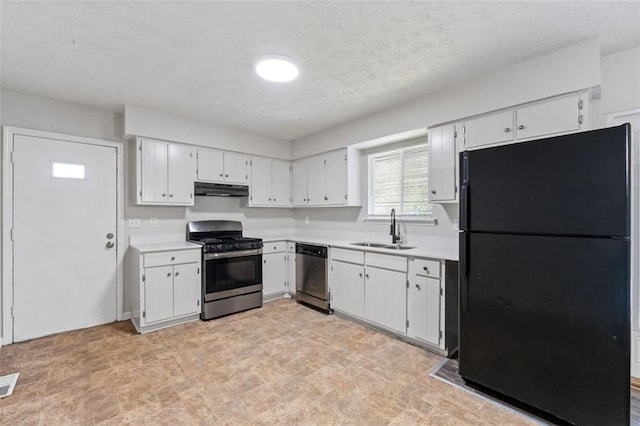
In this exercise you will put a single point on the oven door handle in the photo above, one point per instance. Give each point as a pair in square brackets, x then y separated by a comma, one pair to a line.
[225, 255]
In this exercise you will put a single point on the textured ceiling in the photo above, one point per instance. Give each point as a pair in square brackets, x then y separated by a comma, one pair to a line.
[196, 58]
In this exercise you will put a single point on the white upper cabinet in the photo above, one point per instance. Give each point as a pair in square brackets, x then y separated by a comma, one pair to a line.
[299, 182]
[561, 115]
[330, 179]
[223, 167]
[488, 129]
[165, 173]
[442, 164]
[270, 183]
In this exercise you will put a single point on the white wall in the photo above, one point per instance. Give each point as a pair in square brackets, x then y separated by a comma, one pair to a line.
[621, 81]
[152, 123]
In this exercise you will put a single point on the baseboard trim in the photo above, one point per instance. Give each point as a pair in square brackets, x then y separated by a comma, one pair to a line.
[126, 316]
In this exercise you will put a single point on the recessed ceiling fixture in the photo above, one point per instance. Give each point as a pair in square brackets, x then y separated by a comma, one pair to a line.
[277, 68]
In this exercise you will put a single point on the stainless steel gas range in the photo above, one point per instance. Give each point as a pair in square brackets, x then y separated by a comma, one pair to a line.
[232, 266]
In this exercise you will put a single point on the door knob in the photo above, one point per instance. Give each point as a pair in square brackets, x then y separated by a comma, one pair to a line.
[109, 235]
[110, 245]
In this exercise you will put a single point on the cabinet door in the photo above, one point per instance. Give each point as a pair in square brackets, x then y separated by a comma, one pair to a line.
[299, 182]
[182, 174]
[347, 288]
[291, 269]
[488, 129]
[386, 298]
[425, 300]
[274, 273]
[335, 177]
[186, 289]
[281, 183]
[153, 171]
[235, 168]
[210, 165]
[158, 294]
[442, 164]
[260, 181]
[547, 118]
[315, 180]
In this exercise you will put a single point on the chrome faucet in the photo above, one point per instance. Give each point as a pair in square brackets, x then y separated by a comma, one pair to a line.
[395, 233]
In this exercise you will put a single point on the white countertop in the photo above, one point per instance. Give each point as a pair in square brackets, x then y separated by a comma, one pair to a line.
[165, 246]
[420, 250]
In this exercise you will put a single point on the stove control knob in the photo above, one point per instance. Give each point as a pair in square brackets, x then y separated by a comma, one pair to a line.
[236, 245]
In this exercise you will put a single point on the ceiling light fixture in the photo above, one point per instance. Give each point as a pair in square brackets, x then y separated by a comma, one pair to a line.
[277, 68]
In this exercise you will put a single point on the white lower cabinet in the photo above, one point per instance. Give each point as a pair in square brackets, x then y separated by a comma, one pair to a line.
[274, 269]
[291, 268]
[425, 301]
[347, 288]
[166, 287]
[386, 298]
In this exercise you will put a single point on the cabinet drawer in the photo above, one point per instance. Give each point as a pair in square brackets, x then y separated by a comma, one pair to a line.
[351, 256]
[171, 258]
[427, 268]
[396, 263]
[274, 247]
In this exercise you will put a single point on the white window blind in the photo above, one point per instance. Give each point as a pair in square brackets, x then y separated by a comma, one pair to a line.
[399, 180]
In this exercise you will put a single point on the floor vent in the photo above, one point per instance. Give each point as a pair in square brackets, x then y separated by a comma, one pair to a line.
[7, 383]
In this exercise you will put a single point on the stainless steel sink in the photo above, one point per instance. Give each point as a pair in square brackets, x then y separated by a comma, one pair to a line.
[384, 246]
[367, 244]
[398, 247]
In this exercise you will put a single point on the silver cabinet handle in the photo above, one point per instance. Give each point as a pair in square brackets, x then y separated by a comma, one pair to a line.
[360, 274]
[326, 198]
[173, 258]
[164, 194]
[170, 195]
[110, 245]
[433, 191]
[507, 129]
[269, 199]
[521, 127]
[168, 274]
[264, 261]
[226, 175]
[109, 235]
[425, 269]
[418, 286]
[220, 174]
[274, 200]
[177, 273]
[366, 276]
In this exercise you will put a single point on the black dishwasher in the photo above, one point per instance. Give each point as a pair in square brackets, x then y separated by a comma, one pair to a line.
[312, 276]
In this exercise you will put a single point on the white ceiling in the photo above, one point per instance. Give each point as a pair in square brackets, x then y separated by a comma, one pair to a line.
[196, 58]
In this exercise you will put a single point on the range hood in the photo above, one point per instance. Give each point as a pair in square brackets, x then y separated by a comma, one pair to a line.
[220, 190]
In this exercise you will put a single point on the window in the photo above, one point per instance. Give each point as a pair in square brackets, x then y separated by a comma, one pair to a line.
[398, 179]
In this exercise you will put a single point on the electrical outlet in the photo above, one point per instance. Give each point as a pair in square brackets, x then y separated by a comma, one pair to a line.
[306, 220]
[134, 223]
[153, 222]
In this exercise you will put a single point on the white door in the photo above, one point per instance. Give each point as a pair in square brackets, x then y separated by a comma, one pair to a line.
[158, 294]
[186, 289]
[65, 201]
[442, 164]
[374, 293]
[395, 299]
[274, 273]
[182, 174]
[260, 181]
[154, 171]
[210, 165]
[315, 180]
[546, 118]
[299, 182]
[235, 168]
[347, 288]
[335, 173]
[281, 183]
[425, 323]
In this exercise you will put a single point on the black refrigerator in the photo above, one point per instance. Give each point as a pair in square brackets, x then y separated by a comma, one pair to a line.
[545, 274]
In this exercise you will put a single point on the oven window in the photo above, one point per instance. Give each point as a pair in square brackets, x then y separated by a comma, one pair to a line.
[233, 272]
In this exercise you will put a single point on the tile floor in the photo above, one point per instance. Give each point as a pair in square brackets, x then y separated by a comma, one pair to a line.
[282, 364]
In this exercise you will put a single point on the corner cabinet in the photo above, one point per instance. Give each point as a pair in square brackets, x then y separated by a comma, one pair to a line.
[270, 183]
[165, 286]
[330, 179]
[165, 173]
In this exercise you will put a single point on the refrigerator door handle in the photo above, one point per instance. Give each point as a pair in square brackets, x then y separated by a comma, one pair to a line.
[464, 271]
[464, 191]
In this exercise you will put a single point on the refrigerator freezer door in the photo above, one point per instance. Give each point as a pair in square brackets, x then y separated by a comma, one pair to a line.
[576, 184]
[546, 321]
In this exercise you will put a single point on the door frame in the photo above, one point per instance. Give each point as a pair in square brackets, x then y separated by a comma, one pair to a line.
[6, 283]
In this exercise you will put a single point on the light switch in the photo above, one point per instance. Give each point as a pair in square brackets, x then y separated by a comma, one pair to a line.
[134, 223]
[153, 222]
